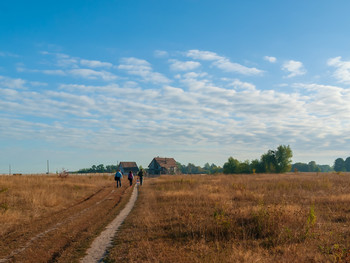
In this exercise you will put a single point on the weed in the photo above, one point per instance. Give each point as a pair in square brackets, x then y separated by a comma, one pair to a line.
[3, 190]
[311, 219]
[4, 207]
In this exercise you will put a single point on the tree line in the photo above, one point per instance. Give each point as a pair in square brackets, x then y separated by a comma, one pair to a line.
[310, 167]
[99, 169]
[274, 161]
[190, 168]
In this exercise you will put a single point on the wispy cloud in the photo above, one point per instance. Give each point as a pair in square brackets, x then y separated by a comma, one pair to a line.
[295, 68]
[270, 59]
[342, 72]
[12, 83]
[222, 63]
[92, 74]
[177, 65]
[195, 106]
[95, 63]
[143, 69]
[161, 53]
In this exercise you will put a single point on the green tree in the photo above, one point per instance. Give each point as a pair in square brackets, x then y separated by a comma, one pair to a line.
[258, 166]
[231, 166]
[339, 165]
[268, 161]
[100, 168]
[283, 157]
[181, 167]
[279, 161]
[244, 167]
[313, 167]
[347, 164]
[215, 169]
[300, 167]
[325, 168]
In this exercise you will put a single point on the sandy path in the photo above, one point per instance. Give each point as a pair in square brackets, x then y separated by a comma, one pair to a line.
[99, 247]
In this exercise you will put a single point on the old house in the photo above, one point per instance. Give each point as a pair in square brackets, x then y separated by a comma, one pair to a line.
[126, 167]
[162, 165]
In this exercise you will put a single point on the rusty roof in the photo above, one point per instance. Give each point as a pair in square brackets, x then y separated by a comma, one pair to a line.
[165, 162]
[128, 164]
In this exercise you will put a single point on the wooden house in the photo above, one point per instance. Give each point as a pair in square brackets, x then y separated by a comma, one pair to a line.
[162, 165]
[126, 167]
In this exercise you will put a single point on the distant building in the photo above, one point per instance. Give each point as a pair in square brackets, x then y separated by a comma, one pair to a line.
[126, 167]
[162, 165]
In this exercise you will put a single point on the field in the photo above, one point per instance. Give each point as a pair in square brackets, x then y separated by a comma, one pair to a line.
[185, 218]
[51, 219]
[239, 218]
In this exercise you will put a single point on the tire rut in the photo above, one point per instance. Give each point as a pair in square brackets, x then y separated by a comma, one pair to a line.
[60, 222]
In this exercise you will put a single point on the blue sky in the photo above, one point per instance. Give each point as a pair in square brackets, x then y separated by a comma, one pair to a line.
[90, 82]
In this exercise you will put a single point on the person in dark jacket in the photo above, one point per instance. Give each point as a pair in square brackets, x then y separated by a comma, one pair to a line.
[130, 177]
[140, 175]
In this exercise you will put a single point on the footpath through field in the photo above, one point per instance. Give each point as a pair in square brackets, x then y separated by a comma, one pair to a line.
[99, 247]
[65, 236]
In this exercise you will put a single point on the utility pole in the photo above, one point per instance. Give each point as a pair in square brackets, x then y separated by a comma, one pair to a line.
[48, 170]
[9, 169]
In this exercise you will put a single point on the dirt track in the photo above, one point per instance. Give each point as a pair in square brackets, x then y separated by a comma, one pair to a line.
[65, 235]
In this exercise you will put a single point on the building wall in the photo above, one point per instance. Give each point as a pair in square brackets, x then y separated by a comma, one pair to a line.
[155, 168]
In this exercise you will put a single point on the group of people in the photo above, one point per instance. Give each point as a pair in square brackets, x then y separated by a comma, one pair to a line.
[119, 175]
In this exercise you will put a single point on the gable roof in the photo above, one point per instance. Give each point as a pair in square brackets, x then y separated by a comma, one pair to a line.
[128, 164]
[166, 162]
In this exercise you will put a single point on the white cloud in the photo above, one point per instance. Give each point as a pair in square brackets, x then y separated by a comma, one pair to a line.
[58, 72]
[6, 82]
[342, 72]
[270, 59]
[242, 85]
[93, 74]
[66, 61]
[177, 65]
[228, 66]
[203, 55]
[223, 63]
[95, 63]
[142, 68]
[160, 54]
[295, 68]
[211, 114]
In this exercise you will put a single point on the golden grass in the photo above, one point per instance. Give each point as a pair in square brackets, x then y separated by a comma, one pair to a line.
[23, 198]
[239, 218]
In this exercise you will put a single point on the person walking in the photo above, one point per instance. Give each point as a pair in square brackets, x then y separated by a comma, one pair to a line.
[140, 174]
[118, 177]
[130, 177]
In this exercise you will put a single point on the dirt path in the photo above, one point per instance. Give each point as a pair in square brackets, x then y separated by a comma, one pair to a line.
[65, 235]
[99, 247]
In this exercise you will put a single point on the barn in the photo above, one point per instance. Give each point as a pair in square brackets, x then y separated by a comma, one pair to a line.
[126, 167]
[162, 165]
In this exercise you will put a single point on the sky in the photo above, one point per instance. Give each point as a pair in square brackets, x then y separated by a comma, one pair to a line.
[98, 82]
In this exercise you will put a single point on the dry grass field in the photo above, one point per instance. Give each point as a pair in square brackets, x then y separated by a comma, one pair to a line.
[24, 198]
[50, 219]
[238, 218]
